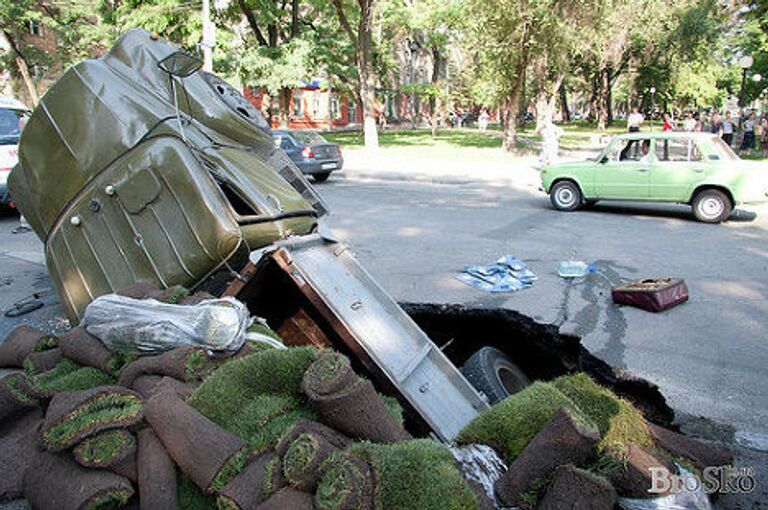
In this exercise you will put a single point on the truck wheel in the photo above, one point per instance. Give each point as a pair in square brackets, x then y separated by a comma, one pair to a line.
[711, 206]
[565, 196]
[321, 177]
[492, 372]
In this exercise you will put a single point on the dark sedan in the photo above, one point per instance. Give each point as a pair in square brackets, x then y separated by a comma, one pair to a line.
[313, 154]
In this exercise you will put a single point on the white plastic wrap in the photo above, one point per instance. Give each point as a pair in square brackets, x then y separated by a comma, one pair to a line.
[127, 324]
[684, 500]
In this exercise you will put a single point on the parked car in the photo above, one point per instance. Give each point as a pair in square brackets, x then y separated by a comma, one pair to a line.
[690, 168]
[13, 115]
[313, 154]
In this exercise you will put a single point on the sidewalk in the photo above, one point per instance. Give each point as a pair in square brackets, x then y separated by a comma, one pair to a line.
[460, 166]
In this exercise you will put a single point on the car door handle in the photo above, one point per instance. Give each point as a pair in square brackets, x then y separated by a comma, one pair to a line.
[642, 170]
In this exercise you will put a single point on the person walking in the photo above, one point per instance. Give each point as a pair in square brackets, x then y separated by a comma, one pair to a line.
[728, 128]
[635, 120]
[764, 136]
[690, 123]
[748, 140]
[482, 120]
[716, 124]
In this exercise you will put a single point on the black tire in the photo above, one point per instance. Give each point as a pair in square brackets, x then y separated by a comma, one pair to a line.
[566, 196]
[492, 372]
[321, 177]
[711, 206]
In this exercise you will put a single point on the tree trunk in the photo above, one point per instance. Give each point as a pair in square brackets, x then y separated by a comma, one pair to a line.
[604, 97]
[433, 100]
[564, 110]
[512, 110]
[365, 71]
[28, 82]
[285, 107]
[609, 100]
[593, 102]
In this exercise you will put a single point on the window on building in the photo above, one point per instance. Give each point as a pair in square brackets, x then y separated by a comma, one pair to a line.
[335, 111]
[317, 108]
[298, 103]
[33, 27]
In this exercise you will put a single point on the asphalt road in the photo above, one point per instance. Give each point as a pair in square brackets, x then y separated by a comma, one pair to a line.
[709, 356]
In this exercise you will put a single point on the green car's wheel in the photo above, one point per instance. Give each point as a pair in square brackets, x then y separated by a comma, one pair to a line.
[712, 206]
[565, 196]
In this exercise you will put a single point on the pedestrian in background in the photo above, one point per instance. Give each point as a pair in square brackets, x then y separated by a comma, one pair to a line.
[690, 123]
[764, 136]
[748, 141]
[716, 124]
[728, 129]
[482, 120]
[701, 122]
[635, 120]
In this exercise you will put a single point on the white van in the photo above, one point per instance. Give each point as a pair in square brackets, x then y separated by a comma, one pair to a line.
[13, 116]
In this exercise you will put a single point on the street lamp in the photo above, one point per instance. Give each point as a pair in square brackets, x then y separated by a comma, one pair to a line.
[653, 100]
[745, 63]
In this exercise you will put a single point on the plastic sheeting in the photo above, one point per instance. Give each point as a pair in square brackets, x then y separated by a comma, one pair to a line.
[506, 274]
[685, 500]
[127, 324]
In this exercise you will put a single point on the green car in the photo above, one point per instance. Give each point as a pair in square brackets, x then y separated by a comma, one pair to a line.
[690, 168]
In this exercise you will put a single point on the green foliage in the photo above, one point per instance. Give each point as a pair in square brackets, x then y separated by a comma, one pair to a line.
[230, 469]
[416, 474]
[15, 384]
[510, 424]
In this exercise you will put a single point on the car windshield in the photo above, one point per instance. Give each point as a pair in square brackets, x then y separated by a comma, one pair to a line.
[723, 149]
[11, 122]
[309, 137]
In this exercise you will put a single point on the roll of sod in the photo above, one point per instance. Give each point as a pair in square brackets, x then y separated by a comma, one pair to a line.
[19, 446]
[21, 342]
[184, 363]
[205, 452]
[339, 441]
[156, 473]
[347, 484]
[510, 424]
[114, 450]
[288, 499]
[302, 460]
[57, 481]
[67, 376]
[196, 298]
[274, 480]
[73, 416]
[77, 345]
[171, 295]
[42, 361]
[145, 384]
[139, 290]
[14, 397]
[246, 490]
[349, 403]
[413, 474]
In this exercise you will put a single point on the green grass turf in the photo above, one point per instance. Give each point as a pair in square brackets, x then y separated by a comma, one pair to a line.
[104, 408]
[15, 385]
[299, 454]
[230, 469]
[105, 446]
[190, 496]
[46, 343]
[619, 422]
[510, 424]
[110, 500]
[198, 365]
[416, 474]
[339, 480]
[258, 327]
[69, 376]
